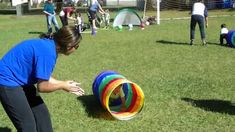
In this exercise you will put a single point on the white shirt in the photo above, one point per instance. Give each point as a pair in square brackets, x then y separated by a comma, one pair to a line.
[61, 13]
[224, 31]
[198, 9]
[79, 20]
[107, 16]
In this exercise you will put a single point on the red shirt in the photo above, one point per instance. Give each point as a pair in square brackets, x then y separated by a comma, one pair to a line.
[68, 10]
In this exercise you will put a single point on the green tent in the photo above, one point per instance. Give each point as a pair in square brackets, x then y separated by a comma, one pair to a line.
[125, 17]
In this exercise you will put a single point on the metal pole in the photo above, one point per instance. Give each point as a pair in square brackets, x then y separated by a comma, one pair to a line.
[145, 3]
[19, 9]
[158, 12]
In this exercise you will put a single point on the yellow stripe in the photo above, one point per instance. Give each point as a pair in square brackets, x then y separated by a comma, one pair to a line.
[138, 104]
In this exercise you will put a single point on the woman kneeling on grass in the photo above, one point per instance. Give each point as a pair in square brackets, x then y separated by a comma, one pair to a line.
[32, 62]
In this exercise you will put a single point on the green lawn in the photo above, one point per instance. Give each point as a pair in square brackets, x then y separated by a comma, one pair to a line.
[187, 88]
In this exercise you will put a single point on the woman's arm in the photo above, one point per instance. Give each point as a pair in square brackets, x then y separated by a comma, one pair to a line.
[100, 9]
[206, 21]
[47, 13]
[69, 16]
[52, 84]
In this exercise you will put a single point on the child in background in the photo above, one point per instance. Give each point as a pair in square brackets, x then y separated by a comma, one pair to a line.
[223, 33]
[78, 21]
[130, 27]
[118, 94]
[106, 18]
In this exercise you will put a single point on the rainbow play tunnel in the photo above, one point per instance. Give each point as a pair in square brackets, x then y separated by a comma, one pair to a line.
[231, 38]
[105, 85]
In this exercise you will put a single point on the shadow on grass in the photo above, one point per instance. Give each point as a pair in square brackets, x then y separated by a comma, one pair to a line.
[5, 129]
[184, 43]
[214, 105]
[35, 32]
[213, 43]
[171, 42]
[93, 107]
[218, 44]
[231, 9]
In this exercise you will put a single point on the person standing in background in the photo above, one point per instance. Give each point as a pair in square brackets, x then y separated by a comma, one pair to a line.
[65, 14]
[95, 6]
[200, 16]
[49, 10]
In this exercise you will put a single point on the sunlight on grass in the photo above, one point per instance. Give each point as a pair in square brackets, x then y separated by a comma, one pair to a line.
[187, 88]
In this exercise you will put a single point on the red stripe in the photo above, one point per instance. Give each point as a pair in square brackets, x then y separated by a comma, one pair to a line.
[106, 88]
[134, 97]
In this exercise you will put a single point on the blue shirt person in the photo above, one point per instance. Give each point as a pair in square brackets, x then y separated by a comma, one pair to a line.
[26, 69]
[94, 7]
[49, 10]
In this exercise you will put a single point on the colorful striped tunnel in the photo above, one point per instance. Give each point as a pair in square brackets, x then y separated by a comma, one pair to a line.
[105, 87]
[231, 38]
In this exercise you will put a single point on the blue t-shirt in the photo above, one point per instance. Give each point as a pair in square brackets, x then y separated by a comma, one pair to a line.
[94, 7]
[28, 62]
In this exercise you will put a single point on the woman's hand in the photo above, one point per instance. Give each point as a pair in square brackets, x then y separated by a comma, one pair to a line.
[73, 87]
[52, 84]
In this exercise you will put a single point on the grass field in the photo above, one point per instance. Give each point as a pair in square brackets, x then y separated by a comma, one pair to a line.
[187, 88]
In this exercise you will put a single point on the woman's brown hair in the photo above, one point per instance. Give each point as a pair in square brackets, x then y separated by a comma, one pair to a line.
[67, 36]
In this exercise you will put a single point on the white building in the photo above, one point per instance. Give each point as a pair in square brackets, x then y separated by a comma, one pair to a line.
[36, 3]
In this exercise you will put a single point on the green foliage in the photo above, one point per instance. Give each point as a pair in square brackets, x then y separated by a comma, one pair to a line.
[187, 88]
[5, 5]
